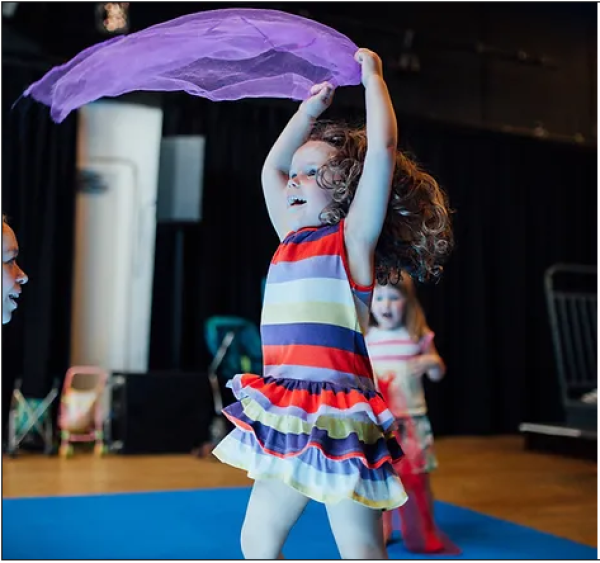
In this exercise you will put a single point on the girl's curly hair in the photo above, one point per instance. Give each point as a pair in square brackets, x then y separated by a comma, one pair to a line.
[417, 234]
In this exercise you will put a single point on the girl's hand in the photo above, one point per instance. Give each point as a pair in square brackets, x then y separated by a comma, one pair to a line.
[370, 63]
[320, 99]
[383, 381]
[416, 367]
[386, 378]
[425, 364]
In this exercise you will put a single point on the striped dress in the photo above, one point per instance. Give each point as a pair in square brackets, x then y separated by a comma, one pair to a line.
[315, 420]
[390, 352]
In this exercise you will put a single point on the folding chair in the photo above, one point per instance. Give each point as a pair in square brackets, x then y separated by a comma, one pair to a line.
[572, 298]
[31, 416]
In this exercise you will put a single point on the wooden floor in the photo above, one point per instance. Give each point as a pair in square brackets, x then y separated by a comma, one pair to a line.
[491, 475]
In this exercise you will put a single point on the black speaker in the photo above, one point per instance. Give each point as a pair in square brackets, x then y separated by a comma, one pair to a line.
[159, 412]
[180, 179]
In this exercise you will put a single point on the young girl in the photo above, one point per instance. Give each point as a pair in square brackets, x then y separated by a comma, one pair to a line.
[402, 351]
[314, 426]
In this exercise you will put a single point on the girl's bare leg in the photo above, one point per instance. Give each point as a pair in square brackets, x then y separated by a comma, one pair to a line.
[358, 530]
[272, 511]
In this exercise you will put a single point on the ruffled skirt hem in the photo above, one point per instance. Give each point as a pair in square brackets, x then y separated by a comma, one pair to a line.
[327, 441]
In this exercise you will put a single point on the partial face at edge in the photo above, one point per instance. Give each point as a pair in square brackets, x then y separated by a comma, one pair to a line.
[305, 199]
[12, 276]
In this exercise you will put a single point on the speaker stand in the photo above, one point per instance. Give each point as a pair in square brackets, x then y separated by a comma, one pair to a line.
[178, 301]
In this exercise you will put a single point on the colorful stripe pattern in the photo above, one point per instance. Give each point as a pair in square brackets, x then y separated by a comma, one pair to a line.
[315, 420]
[390, 351]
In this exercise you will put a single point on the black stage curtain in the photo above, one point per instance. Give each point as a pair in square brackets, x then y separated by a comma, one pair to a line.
[38, 195]
[521, 205]
[228, 253]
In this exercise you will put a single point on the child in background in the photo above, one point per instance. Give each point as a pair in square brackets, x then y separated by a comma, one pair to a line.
[401, 349]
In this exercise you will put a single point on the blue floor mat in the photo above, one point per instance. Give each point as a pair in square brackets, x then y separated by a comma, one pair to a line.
[205, 524]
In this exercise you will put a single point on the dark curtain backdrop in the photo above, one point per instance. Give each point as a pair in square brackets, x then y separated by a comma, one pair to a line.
[521, 205]
[228, 253]
[38, 187]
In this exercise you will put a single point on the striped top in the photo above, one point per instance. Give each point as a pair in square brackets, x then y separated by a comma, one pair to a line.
[390, 351]
[314, 315]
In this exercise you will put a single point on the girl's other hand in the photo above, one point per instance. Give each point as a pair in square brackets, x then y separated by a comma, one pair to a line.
[320, 99]
[370, 63]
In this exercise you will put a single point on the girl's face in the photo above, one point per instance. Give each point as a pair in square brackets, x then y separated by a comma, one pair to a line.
[305, 199]
[12, 276]
[388, 306]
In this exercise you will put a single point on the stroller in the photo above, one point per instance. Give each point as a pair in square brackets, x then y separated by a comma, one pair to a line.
[81, 417]
[236, 347]
[28, 417]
